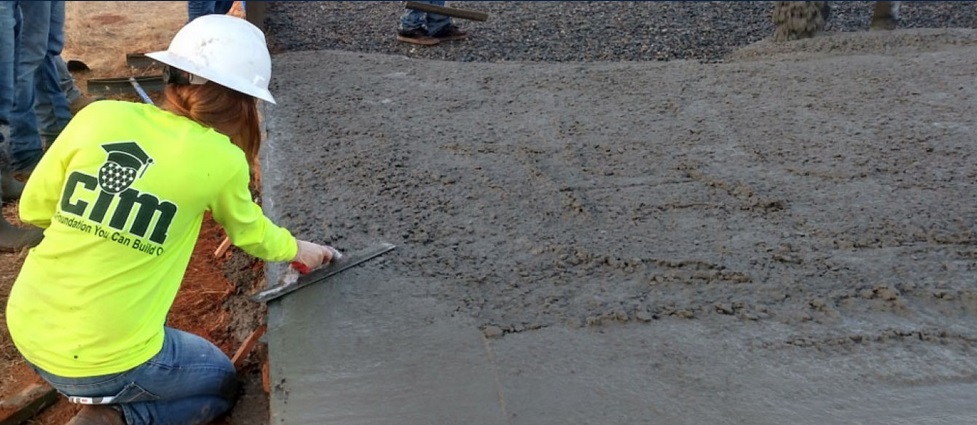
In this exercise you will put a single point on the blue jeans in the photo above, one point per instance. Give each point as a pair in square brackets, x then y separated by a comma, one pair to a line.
[9, 26]
[190, 381]
[66, 80]
[41, 37]
[434, 22]
[196, 9]
[52, 113]
[9, 17]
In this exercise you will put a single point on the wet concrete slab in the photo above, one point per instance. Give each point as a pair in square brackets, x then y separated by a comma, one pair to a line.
[675, 243]
[689, 373]
[362, 349]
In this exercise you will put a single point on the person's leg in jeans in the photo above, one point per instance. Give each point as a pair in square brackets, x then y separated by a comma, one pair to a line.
[51, 104]
[9, 188]
[25, 141]
[436, 21]
[412, 29]
[67, 81]
[190, 381]
[222, 7]
[196, 9]
[412, 19]
[8, 34]
[76, 99]
[11, 238]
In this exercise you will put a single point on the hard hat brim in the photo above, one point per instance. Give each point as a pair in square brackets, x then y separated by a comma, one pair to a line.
[184, 64]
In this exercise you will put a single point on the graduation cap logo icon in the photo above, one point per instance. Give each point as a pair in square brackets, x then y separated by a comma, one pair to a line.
[125, 160]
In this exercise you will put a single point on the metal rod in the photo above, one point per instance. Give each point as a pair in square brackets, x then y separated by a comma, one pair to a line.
[142, 93]
[121, 85]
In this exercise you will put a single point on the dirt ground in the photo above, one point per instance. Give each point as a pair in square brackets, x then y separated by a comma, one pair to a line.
[212, 301]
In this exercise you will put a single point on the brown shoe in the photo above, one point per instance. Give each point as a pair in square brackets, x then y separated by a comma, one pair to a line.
[416, 36]
[98, 415]
[450, 33]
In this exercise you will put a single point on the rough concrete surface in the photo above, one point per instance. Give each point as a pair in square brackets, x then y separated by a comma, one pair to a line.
[787, 237]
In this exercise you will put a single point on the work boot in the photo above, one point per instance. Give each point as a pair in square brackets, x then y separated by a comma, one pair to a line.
[417, 36]
[450, 33]
[10, 188]
[98, 415]
[13, 238]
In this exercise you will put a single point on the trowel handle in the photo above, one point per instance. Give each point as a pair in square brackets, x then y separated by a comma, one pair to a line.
[301, 268]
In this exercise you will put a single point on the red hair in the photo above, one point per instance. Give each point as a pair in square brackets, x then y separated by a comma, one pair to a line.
[231, 113]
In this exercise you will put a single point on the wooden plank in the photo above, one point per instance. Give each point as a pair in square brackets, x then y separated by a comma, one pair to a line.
[247, 346]
[473, 15]
[26, 404]
[222, 248]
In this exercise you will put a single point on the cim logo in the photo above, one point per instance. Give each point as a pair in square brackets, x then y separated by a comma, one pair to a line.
[126, 162]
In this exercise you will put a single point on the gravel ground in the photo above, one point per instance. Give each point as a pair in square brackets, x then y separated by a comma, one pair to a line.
[575, 31]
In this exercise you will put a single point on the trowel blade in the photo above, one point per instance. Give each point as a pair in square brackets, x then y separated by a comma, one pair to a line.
[346, 261]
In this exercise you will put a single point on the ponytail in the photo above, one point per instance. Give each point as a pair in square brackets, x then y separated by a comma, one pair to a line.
[231, 113]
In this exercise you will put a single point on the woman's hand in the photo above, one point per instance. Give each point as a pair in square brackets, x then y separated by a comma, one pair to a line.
[311, 255]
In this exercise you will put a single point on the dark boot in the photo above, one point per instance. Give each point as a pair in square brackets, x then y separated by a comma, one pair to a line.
[97, 415]
[10, 187]
[13, 238]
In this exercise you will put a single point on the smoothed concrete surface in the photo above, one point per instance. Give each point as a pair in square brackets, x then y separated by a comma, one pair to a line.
[756, 242]
[362, 349]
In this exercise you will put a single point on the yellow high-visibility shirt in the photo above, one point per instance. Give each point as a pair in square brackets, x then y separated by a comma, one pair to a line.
[122, 194]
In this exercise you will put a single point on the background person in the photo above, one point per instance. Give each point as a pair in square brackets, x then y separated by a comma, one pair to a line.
[428, 29]
[37, 80]
[12, 238]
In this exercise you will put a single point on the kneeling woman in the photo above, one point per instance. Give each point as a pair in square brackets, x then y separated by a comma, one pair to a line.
[121, 195]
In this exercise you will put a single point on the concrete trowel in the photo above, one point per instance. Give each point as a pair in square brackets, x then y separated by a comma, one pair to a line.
[339, 264]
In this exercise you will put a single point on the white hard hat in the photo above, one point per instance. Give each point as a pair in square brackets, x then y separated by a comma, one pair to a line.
[226, 50]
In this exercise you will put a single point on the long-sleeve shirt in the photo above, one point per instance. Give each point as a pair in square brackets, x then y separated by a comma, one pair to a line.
[121, 195]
